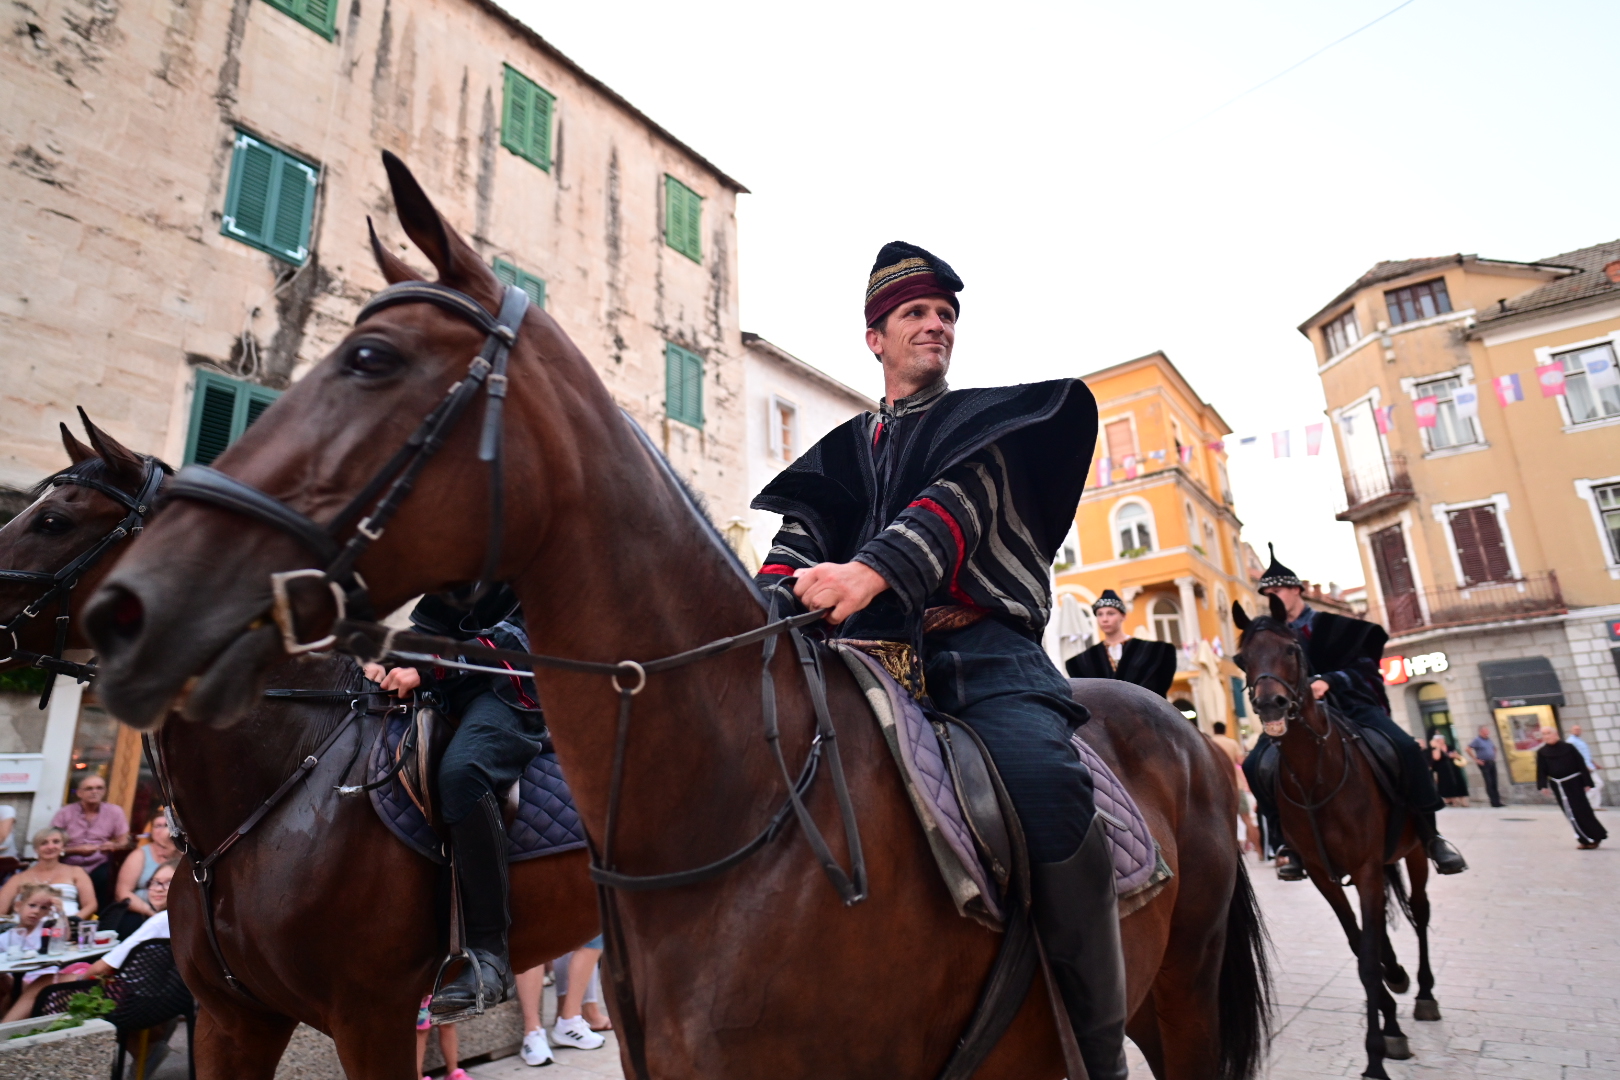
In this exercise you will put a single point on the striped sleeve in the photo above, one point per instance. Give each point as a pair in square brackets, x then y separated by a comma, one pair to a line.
[793, 549]
[931, 540]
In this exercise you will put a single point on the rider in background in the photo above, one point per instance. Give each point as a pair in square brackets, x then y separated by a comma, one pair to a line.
[500, 731]
[928, 528]
[1343, 653]
[1120, 656]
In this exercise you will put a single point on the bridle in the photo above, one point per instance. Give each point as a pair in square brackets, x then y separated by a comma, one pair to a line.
[59, 584]
[370, 511]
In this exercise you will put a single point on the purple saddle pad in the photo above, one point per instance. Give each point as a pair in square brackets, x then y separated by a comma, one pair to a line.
[546, 821]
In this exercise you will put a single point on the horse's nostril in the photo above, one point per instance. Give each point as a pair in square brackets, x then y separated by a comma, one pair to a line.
[116, 617]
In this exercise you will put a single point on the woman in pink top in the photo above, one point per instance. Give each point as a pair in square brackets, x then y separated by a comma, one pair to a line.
[93, 828]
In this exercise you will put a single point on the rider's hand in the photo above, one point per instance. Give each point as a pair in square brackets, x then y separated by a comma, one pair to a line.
[1319, 688]
[402, 680]
[844, 587]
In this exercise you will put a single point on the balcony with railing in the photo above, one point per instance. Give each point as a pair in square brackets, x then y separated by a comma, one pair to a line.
[1495, 601]
[1376, 488]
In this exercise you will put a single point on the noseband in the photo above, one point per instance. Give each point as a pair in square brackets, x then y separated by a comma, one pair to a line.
[1293, 711]
[370, 511]
[59, 585]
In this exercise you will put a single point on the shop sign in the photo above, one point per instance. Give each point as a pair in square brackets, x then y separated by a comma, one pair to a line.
[20, 773]
[1614, 629]
[1397, 669]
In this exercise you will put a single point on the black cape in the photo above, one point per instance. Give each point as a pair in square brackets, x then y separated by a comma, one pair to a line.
[1146, 663]
[1046, 432]
[1346, 652]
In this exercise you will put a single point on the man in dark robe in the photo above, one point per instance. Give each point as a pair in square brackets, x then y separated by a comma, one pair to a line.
[1343, 655]
[1562, 767]
[1120, 656]
[928, 528]
[500, 730]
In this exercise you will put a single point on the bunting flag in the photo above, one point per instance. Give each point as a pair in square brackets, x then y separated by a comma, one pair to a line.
[1385, 418]
[1186, 455]
[1466, 400]
[1313, 439]
[1130, 466]
[1279, 444]
[1508, 390]
[1218, 445]
[1156, 455]
[1427, 409]
[1348, 422]
[1105, 471]
[1600, 371]
[1551, 378]
[1248, 443]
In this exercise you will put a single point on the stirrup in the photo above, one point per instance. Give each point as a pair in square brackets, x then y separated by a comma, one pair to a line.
[476, 1008]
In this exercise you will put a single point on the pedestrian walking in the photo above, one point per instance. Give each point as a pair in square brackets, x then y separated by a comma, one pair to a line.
[1448, 776]
[1561, 767]
[1579, 743]
[1482, 752]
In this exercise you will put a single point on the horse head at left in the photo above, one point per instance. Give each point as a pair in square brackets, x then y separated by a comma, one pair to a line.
[197, 613]
[1273, 661]
[56, 551]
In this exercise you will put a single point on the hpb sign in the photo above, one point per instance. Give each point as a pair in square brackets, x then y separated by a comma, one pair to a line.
[1398, 669]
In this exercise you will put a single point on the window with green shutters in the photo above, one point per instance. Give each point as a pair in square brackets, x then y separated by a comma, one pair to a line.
[683, 219]
[526, 113]
[683, 385]
[270, 200]
[512, 275]
[221, 409]
[319, 15]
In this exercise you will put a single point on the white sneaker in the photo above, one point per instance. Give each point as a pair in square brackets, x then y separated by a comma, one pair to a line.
[575, 1032]
[536, 1050]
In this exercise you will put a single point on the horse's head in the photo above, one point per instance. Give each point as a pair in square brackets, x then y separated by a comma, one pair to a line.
[193, 595]
[1272, 658]
[61, 547]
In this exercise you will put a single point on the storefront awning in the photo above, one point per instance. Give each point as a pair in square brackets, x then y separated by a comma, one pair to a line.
[1529, 680]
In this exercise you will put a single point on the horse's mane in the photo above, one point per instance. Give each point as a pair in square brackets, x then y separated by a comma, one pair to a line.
[1263, 623]
[93, 468]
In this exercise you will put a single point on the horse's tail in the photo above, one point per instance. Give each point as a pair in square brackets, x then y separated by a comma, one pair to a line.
[1395, 892]
[1245, 985]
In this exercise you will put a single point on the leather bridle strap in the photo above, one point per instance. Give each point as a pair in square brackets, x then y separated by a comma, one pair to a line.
[370, 511]
[59, 585]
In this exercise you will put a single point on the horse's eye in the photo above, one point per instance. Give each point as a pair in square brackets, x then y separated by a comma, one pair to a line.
[52, 524]
[371, 359]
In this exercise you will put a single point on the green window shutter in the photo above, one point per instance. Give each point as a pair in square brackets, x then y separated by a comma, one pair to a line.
[507, 274]
[221, 409]
[683, 219]
[319, 15]
[683, 385]
[270, 200]
[526, 113]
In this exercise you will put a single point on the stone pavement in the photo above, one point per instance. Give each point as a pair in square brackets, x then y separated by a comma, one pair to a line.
[1525, 952]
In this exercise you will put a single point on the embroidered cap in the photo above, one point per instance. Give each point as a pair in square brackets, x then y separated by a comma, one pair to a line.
[905, 272]
[1278, 576]
[1109, 598]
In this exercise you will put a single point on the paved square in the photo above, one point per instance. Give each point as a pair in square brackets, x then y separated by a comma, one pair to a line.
[1526, 958]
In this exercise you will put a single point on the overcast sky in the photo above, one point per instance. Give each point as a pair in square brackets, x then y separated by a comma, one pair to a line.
[1062, 157]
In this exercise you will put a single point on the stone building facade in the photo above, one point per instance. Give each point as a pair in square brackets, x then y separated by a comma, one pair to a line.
[185, 200]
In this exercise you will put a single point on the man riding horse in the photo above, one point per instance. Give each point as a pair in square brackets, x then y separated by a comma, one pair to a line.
[1118, 655]
[928, 529]
[1343, 655]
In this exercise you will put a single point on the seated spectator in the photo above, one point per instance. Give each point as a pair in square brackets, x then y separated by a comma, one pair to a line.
[571, 1028]
[157, 891]
[131, 907]
[35, 902]
[94, 828]
[70, 883]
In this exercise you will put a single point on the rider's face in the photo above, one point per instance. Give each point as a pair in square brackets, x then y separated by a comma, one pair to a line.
[1109, 620]
[915, 341]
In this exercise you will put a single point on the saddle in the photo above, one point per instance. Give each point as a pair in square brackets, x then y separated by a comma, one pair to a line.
[538, 810]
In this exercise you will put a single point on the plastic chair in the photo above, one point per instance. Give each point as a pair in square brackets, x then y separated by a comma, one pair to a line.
[149, 992]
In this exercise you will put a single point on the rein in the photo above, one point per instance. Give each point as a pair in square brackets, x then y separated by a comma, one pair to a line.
[59, 585]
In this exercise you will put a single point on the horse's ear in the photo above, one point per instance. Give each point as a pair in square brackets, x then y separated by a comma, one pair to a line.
[1240, 618]
[392, 266]
[1279, 610]
[459, 266]
[125, 464]
[76, 450]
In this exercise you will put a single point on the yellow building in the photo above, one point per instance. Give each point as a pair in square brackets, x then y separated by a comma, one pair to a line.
[1156, 525]
[1490, 534]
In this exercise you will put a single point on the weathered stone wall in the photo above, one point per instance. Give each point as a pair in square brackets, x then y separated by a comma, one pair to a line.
[116, 126]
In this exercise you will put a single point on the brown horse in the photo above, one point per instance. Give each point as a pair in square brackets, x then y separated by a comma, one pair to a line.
[1336, 818]
[323, 915]
[761, 971]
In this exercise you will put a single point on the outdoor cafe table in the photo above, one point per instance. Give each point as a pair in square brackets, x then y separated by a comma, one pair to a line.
[61, 959]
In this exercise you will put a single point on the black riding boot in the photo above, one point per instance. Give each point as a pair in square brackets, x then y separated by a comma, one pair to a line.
[479, 843]
[1077, 917]
[1447, 859]
[1289, 867]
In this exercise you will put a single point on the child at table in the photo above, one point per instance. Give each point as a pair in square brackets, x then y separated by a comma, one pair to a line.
[35, 901]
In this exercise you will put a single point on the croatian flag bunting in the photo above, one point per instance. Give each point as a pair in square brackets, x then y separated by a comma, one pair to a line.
[1600, 371]
[1551, 378]
[1218, 445]
[1186, 455]
[1279, 444]
[1130, 466]
[1105, 471]
[1466, 400]
[1313, 439]
[1385, 418]
[1508, 390]
[1427, 409]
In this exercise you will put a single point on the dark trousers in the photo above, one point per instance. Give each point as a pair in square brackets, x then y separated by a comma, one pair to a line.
[1487, 769]
[104, 877]
[1571, 795]
[1004, 686]
[489, 751]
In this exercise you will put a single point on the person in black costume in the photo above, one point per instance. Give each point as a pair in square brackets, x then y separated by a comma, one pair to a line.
[1343, 655]
[928, 529]
[500, 731]
[1120, 656]
[1562, 768]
